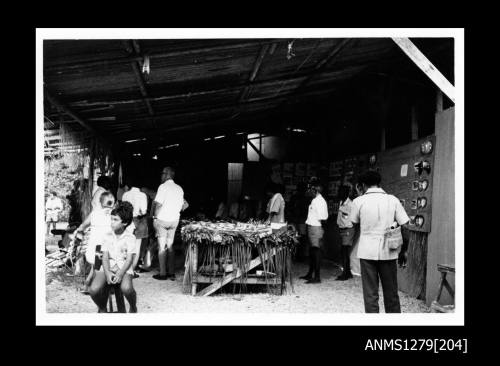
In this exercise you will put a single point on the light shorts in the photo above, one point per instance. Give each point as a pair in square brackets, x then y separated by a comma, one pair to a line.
[315, 235]
[347, 236]
[165, 229]
[52, 217]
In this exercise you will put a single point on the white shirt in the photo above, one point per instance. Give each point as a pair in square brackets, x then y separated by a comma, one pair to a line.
[277, 204]
[138, 199]
[171, 197]
[54, 204]
[343, 216]
[100, 226]
[318, 210]
[376, 211]
[118, 247]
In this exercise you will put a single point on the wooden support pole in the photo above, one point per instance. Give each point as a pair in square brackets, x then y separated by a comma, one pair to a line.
[439, 101]
[256, 149]
[426, 66]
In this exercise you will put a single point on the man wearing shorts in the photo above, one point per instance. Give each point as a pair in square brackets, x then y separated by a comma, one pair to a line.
[139, 201]
[346, 230]
[168, 205]
[53, 207]
[316, 219]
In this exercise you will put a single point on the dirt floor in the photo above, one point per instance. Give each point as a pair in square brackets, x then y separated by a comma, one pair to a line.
[155, 296]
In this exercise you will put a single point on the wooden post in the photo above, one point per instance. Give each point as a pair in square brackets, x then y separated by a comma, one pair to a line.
[414, 124]
[382, 137]
[426, 66]
[439, 101]
[194, 266]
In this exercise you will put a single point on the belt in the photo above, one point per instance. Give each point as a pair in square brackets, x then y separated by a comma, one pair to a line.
[346, 228]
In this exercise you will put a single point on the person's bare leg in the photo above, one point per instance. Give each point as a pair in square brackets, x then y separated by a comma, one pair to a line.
[99, 291]
[138, 253]
[162, 255]
[127, 289]
[170, 257]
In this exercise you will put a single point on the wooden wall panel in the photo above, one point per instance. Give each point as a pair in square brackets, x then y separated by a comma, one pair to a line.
[441, 241]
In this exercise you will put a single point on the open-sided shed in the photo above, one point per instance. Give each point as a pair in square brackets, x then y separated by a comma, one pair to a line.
[166, 99]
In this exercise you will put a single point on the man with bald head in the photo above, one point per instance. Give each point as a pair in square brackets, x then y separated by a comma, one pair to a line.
[168, 205]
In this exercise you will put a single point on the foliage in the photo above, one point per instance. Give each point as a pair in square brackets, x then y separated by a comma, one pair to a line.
[60, 173]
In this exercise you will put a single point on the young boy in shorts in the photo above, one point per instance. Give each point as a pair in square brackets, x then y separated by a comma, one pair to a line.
[119, 250]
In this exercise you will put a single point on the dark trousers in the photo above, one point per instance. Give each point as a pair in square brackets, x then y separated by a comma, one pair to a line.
[314, 262]
[345, 252]
[371, 270]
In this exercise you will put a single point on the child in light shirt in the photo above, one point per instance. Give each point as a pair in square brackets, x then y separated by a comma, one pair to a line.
[99, 223]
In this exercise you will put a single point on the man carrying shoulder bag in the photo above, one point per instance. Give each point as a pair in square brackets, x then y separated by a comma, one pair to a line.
[378, 215]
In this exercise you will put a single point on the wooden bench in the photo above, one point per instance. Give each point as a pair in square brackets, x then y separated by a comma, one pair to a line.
[436, 306]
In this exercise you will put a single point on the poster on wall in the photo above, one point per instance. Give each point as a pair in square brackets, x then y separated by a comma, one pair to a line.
[312, 170]
[335, 169]
[333, 188]
[276, 175]
[300, 169]
[288, 170]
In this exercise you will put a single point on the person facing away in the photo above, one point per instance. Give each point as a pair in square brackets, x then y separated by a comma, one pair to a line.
[347, 231]
[375, 211]
[117, 258]
[168, 205]
[276, 204]
[53, 208]
[139, 201]
[316, 221]
[103, 185]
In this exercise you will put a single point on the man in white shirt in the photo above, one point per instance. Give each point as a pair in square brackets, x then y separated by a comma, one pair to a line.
[139, 202]
[376, 211]
[316, 220]
[118, 255]
[168, 205]
[53, 207]
[276, 205]
[346, 230]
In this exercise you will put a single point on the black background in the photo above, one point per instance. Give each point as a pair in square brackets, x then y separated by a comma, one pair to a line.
[221, 345]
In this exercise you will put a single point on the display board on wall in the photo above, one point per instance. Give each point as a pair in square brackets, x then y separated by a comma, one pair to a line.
[407, 173]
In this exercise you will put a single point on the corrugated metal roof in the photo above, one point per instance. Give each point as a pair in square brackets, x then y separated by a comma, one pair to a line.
[192, 82]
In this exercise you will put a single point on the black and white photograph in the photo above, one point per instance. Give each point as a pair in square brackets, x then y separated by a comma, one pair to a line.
[250, 176]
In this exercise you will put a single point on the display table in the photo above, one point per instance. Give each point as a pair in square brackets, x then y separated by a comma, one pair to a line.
[244, 253]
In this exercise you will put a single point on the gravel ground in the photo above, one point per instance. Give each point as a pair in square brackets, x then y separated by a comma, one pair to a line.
[154, 296]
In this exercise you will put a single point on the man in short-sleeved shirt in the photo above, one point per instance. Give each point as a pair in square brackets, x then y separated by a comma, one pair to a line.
[139, 201]
[316, 219]
[53, 207]
[276, 205]
[376, 211]
[168, 202]
[118, 255]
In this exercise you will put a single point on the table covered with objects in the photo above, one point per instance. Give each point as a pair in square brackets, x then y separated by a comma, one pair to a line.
[219, 253]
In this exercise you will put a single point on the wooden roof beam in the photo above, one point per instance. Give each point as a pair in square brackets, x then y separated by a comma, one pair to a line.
[255, 70]
[426, 66]
[58, 104]
[140, 79]
[114, 60]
